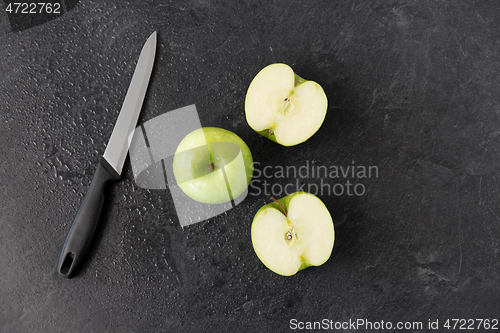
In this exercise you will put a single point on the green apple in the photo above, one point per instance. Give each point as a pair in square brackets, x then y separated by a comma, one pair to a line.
[212, 165]
[284, 107]
[293, 233]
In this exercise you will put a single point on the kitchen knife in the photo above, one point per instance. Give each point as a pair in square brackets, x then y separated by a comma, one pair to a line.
[110, 165]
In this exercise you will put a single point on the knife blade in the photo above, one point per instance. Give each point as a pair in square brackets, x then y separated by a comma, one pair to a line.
[110, 165]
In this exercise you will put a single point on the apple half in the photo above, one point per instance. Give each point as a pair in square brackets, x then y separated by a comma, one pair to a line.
[284, 107]
[293, 233]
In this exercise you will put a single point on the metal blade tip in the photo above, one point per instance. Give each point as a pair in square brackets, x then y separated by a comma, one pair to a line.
[150, 42]
[153, 37]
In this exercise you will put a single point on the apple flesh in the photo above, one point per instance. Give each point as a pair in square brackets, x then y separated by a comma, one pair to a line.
[212, 165]
[284, 107]
[293, 233]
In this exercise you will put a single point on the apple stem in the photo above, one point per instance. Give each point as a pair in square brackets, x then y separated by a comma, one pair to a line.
[280, 204]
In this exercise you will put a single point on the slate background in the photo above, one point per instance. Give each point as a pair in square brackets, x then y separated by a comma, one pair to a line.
[413, 88]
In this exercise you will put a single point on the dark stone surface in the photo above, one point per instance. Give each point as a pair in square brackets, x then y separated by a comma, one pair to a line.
[413, 89]
[28, 14]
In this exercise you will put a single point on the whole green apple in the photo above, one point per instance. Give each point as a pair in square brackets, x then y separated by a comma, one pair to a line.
[213, 165]
[293, 233]
[284, 107]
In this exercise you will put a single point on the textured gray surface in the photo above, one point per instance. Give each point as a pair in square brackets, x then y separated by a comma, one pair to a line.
[413, 88]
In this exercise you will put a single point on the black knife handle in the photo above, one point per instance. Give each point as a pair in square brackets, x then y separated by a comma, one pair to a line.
[83, 227]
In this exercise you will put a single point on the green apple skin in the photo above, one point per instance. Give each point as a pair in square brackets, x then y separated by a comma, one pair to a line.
[270, 135]
[213, 165]
[298, 81]
[285, 201]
